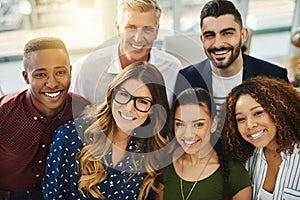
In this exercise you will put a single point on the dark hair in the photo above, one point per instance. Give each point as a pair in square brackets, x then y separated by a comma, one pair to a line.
[202, 98]
[216, 8]
[41, 43]
[280, 100]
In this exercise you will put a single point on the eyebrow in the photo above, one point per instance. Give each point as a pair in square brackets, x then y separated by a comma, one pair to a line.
[222, 31]
[228, 29]
[145, 97]
[239, 113]
[197, 120]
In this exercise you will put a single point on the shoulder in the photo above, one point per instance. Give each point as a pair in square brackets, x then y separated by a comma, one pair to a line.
[261, 64]
[13, 100]
[76, 98]
[71, 133]
[12, 97]
[197, 67]
[93, 58]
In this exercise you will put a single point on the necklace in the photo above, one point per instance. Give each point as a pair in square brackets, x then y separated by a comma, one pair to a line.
[194, 185]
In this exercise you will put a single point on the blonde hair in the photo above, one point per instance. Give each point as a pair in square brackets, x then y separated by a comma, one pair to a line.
[100, 133]
[140, 5]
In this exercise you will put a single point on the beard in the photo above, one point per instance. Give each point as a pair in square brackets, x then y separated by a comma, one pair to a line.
[223, 65]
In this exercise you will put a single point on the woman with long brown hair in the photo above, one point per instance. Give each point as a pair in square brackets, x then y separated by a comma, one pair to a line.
[116, 150]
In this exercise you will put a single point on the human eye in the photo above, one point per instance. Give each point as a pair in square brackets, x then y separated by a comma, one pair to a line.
[123, 93]
[130, 28]
[198, 124]
[143, 101]
[177, 123]
[258, 113]
[149, 29]
[61, 72]
[240, 119]
[40, 75]
[228, 33]
[208, 35]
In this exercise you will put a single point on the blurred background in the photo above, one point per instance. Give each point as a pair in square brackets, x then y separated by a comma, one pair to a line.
[85, 25]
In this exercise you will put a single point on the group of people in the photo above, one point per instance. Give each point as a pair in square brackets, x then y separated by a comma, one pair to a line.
[139, 126]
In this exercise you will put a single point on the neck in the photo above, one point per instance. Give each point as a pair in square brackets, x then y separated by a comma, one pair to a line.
[195, 159]
[121, 137]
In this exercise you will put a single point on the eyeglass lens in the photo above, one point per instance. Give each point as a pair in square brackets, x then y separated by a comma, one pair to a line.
[140, 103]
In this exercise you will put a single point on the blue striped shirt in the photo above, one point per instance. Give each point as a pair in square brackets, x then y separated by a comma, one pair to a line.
[288, 179]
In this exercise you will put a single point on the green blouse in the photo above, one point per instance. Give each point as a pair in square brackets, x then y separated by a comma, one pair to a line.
[210, 188]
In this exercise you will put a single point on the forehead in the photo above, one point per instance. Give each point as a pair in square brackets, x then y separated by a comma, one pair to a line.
[191, 112]
[217, 24]
[245, 103]
[136, 88]
[48, 58]
[139, 18]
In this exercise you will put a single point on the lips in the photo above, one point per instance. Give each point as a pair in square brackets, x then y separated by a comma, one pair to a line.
[137, 46]
[220, 52]
[52, 94]
[126, 117]
[256, 135]
[190, 142]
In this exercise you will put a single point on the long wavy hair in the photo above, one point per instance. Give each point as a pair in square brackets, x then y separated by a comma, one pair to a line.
[280, 100]
[99, 135]
[199, 96]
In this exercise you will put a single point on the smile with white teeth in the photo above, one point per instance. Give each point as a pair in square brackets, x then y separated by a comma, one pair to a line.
[126, 117]
[137, 47]
[255, 135]
[52, 95]
[220, 52]
[190, 142]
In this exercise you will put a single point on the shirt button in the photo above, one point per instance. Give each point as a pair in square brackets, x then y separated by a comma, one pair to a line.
[35, 118]
[43, 146]
[37, 175]
[40, 161]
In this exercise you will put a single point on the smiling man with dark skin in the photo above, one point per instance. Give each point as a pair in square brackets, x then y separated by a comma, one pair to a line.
[29, 118]
[222, 36]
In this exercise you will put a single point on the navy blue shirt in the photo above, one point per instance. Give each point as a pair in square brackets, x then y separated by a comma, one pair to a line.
[62, 169]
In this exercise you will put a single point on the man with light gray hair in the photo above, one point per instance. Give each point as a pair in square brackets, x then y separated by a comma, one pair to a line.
[137, 27]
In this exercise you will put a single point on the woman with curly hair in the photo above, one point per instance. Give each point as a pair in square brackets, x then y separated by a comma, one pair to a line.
[262, 129]
[116, 150]
[201, 169]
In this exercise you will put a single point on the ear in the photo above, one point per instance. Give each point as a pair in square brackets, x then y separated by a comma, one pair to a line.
[201, 38]
[117, 28]
[25, 77]
[244, 35]
[71, 71]
[214, 124]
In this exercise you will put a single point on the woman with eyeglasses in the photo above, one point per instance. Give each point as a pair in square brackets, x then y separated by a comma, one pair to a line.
[117, 149]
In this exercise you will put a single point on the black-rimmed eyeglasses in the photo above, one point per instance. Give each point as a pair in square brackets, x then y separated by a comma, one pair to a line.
[142, 104]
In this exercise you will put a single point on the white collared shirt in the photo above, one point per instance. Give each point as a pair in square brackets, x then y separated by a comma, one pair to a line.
[288, 180]
[92, 74]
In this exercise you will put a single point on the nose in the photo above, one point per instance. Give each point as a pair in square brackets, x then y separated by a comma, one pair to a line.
[251, 123]
[138, 35]
[130, 105]
[52, 81]
[189, 132]
[219, 42]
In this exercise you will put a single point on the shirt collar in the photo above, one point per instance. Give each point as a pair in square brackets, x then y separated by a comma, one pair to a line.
[36, 114]
[115, 66]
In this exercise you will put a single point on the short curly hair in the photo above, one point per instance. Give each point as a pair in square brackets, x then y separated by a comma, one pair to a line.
[282, 102]
[41, 43]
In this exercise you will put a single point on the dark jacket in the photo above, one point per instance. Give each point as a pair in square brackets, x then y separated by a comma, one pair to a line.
[200, 74]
